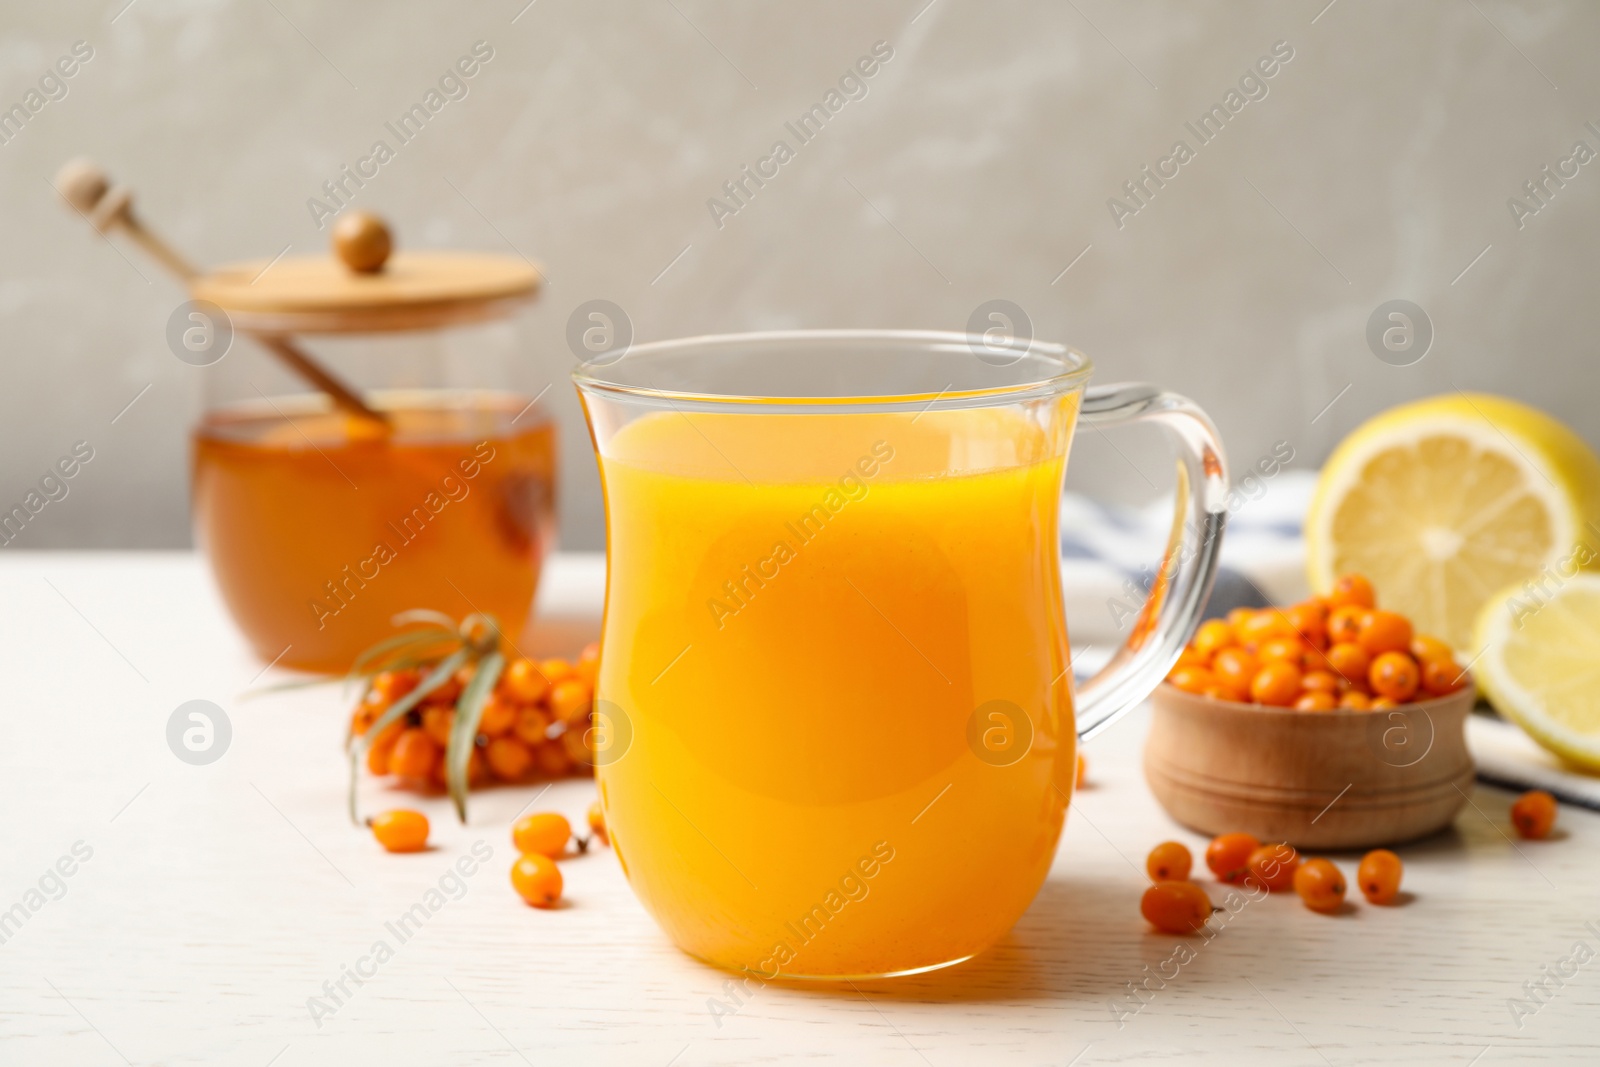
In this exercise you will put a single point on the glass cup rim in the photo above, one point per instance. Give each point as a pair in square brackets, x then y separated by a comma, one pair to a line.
[1072, 370]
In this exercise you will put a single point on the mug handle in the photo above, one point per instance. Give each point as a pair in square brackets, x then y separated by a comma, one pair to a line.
[1188, 566]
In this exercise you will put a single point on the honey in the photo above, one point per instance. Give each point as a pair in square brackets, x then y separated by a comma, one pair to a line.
[320, 527]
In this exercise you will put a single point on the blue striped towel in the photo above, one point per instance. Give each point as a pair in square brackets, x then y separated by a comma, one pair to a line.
[1109, 552]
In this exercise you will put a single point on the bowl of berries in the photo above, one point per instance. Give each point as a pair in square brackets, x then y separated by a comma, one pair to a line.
[1327, 724]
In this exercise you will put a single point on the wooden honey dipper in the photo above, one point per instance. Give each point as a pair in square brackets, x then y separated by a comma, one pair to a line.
[89, 191]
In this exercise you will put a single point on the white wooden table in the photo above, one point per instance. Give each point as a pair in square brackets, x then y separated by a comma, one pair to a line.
[218, 899]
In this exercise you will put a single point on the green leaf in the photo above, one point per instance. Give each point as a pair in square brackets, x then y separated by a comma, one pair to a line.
[431, 635]
[362, 742]
[284, 687]
[438, 618]
[463, 733]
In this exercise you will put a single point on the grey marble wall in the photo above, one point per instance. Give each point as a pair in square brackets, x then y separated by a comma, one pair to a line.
[986, 158]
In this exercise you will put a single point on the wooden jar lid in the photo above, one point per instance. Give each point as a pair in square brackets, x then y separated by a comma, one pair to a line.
[363, 289]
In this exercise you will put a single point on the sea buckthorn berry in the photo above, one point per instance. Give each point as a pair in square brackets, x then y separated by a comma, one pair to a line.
[1263, 626]
[1234, 668]
[588, 665]
[523, 682]
[1316, 700]
[1320, 885]
[1192, 679]
[551, 759]
[1534, 814]
[569, 700]
[1314, 659]
[1394, 675]
[1319, 682]
[1383, 704]
[1176, 907]
[400, 830]
[1379, 876]
[556, 670]
[1276, 683]
[1344, 624]
[537, 880]
[438, 721]
[575, 742]
[498, 717]
[1310, 621]
[1191, 658]
[414, 754]
[543, 834]
[597, 823]
[1441, 677]
[1425, 648]
[1350, 660]
[1082, 771]
[1236, 618]
[1223, 692]
[1355, 700]
[448, 691]
[1168, 862]
[533, 725]
[378, 756]
[390, 733]
[363, 717]
[390, 686]
[1384, 631]
[1228, 856]
[1212, 636]
[1289, 650]
[1352, 589]
[1273, 866]
[508, 758]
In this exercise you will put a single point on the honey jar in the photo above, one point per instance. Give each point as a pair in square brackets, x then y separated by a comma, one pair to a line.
[394, 456]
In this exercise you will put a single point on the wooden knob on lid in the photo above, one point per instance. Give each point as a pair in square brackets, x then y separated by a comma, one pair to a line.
[366, 286]
[362, 242]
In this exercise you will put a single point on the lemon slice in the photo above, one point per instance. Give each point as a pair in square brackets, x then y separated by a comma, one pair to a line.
[1444, 502]
[1540, 663]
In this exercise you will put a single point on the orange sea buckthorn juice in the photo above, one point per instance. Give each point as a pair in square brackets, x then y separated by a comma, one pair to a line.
[826, 636]
[319, 530]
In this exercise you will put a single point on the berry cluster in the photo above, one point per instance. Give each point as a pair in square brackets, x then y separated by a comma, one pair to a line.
[1337, 651]
[535, 723]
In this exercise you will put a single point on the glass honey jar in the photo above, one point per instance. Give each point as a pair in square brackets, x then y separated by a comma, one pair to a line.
[394, 456]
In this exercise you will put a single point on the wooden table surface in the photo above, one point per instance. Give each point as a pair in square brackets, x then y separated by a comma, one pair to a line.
[207, 905]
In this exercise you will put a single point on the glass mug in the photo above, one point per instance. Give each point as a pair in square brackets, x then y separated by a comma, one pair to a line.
[837, 725]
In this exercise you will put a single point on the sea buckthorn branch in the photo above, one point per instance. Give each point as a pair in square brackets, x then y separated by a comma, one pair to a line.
[410, 649]
[361, 742]
[477, 640]
[469, 710]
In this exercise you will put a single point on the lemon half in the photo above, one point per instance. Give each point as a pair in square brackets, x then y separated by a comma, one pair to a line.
[1444, 502]
[1540, 663]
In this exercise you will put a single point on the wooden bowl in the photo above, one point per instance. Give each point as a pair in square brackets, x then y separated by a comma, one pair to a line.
[1333, 779]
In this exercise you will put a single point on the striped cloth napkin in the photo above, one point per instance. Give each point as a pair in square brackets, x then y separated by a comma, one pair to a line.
[1108, 553]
